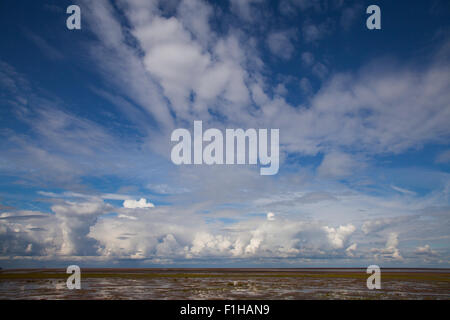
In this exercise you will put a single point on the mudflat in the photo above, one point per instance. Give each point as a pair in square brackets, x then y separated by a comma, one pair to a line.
[229, 284]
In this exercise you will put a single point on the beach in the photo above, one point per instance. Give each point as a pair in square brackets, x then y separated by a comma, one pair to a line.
[225, 284]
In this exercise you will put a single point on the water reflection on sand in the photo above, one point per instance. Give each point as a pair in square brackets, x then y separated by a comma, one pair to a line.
[224, 286]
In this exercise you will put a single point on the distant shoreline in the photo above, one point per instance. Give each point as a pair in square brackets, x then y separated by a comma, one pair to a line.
[350, 269]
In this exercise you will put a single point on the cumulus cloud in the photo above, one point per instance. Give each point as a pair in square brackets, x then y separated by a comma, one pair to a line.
[80, 228]
[158, 237]
[280, 43]
[391, 246]
[337, 236]
[134, 204]
[425, 250]
[390, 251]
[62, 233]
[350, 251]
[28, 233]
[208, 244]
[75, 220]
[288, 239]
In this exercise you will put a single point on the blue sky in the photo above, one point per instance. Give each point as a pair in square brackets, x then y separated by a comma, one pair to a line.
[86, 117]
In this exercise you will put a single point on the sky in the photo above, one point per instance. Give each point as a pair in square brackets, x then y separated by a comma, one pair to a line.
[86, 118]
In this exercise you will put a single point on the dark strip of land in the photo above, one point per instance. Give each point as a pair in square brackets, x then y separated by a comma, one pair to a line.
[238, 273]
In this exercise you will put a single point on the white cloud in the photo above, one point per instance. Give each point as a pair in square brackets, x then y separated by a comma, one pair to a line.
[168, 247]
[402, 190]
[338, 236]
[75, 220]
[307, 58]
[391, 246]
[208, 244]
[390, 251]
[426, 250]
[195, 16]
[133, 204]
[124, 216]
[280, 43]
[196, 61]
[123, 61]
[166, 189]
[178, 70]
[337, 165]
[305, 86]
[320, 70]
[80, 229]
[351, 249]
[314, 32]
[369, 110]
[47, 49]
[375, 225]
[245, 9]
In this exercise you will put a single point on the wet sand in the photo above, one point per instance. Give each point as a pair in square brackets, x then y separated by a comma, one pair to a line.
[228, 284]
